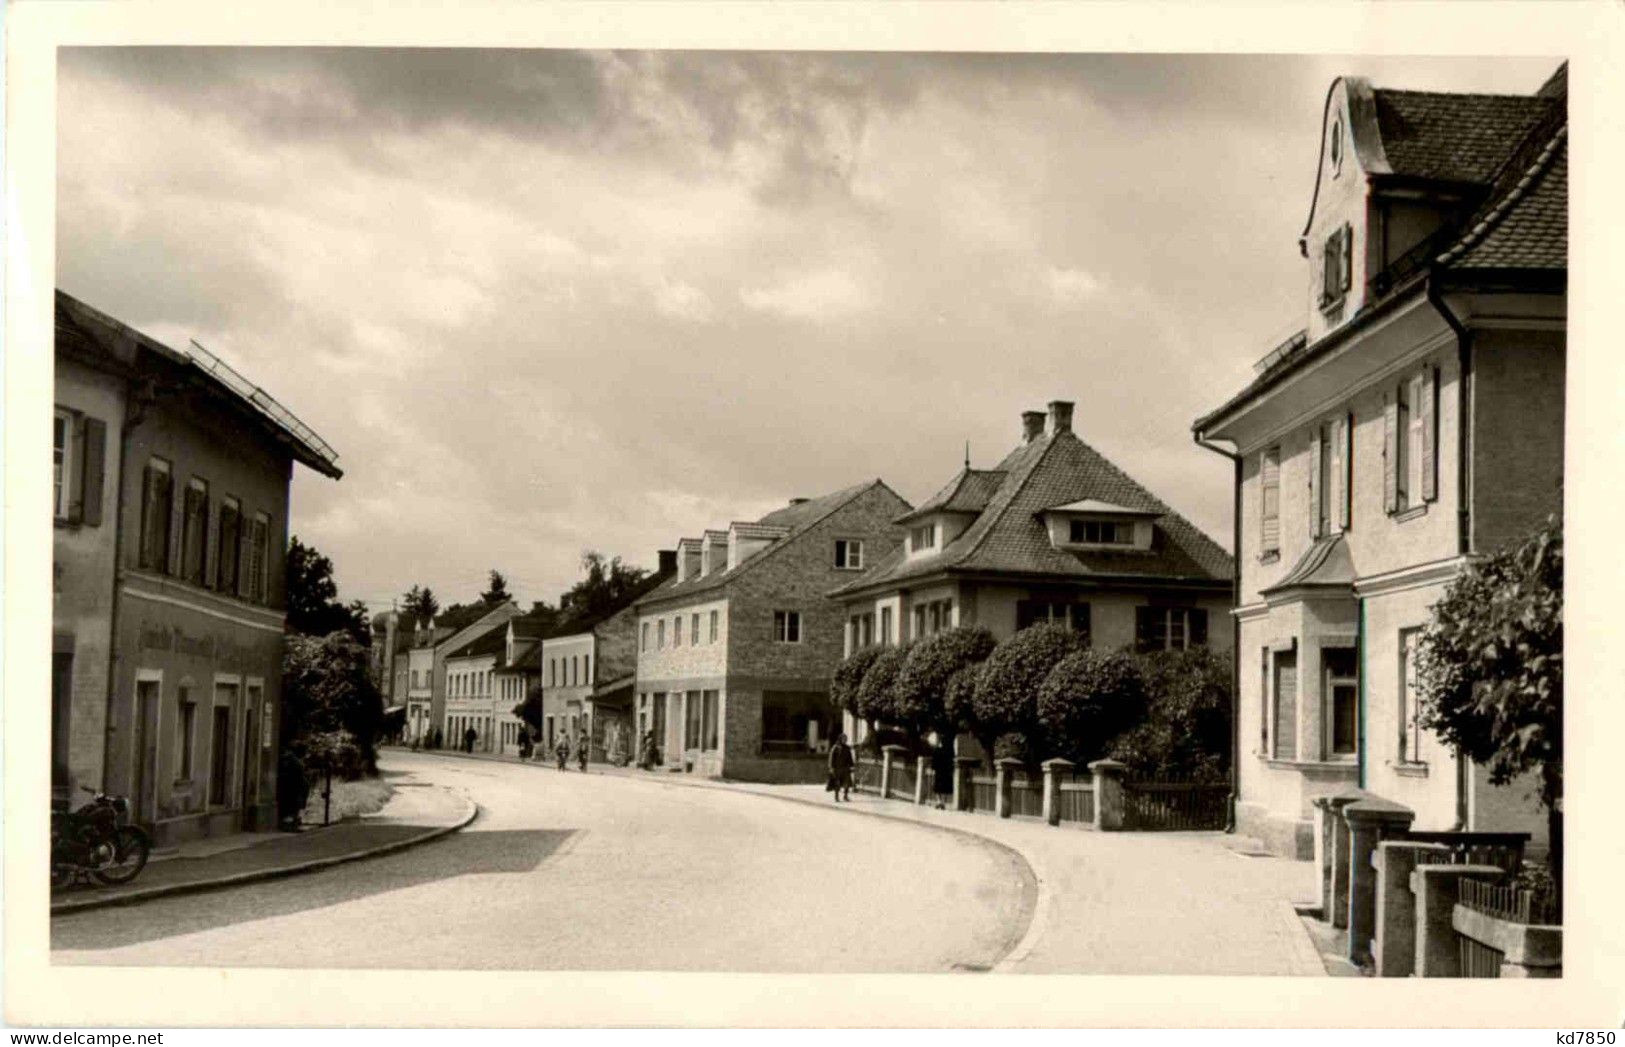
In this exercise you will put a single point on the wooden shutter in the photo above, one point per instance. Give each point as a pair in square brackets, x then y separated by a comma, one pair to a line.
[1197, 634]
[1328, 269]
[1269, 470]
[1316, 524]
[1346, 258]
[1345, 506]
[1390, 453]
[75, 470]
[93, 465]
[1335, 479]
[1428, 411]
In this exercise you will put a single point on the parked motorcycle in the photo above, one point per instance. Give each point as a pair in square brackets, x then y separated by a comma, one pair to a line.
[97, 841]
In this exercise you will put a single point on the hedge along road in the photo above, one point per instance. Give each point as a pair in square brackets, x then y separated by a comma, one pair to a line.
[599, 872]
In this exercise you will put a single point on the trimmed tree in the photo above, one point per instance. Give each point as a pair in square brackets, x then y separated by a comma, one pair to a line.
[876, 695]
[1185, 731]
[922, 685]
[848, 677]
[1489, 667]
[1089, 698]
[1006, 697]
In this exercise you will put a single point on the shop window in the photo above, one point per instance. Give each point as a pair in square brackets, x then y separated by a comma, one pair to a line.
[712, 701]
[794, 721]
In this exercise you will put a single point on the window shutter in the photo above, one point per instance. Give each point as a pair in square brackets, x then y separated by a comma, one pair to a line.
[76, 472]
[1390, 454]
[1429, 410]
[93, 468]
[1345, 506]
[1270, 484]
[1328, 269]
[1335, 517]
[1346, 260]
[1198, 628]
[1143, 626]
[1316, 524]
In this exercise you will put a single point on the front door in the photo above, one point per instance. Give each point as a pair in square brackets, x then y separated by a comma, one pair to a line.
[144, 780]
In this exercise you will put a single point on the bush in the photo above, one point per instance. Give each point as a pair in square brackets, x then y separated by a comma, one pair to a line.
[327, 686]
[1089, 698]
[848, 677]
[1015, 745]
[1185, 731]
[876, 695]
[921, 687]
[1006, 696]
[958, 696]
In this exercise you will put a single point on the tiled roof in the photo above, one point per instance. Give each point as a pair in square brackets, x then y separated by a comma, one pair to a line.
[521, 658]
[1528, 227]
[495, 641]
[968, 492]
[1010, 537]
[793, 519]
[1453, 137]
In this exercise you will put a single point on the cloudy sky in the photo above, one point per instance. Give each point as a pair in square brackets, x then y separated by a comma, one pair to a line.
[546, 301]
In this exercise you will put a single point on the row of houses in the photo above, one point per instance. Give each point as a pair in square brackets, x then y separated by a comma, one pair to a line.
[170, 533]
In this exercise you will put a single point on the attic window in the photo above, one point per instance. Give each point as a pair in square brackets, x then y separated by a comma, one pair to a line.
[1102, 532]
[1337, 266]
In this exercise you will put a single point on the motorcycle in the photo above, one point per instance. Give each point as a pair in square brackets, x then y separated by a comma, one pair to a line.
[97, 841]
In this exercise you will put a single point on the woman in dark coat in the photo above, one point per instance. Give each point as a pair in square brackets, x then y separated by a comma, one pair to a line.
[942, 770]
[841, 762]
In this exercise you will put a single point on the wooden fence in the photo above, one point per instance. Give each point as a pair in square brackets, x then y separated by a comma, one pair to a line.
[866, 776]
[1175, 806]
[1076, 801]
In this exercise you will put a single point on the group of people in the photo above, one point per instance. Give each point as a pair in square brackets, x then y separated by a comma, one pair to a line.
[843, 765]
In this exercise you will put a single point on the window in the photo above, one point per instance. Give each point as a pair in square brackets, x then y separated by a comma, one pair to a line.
[923, 537]
[787, 626]
[1074, 616]
[230, 552]
[185, 735]
[1411, 442]
[1410, 699]
[1102, 532]
[1285, 691]
[694, 628]
[1337, 266]
[1334, 147]
[586, 669]
[660, 634]
[1269, 481]
[863, 630]
[61, 461]
[195, 530]
[1169, 628]
[848, 554]
[885, 625]
[692, 713]
[795, 721]
[677, 631]
[1341, 693]
[714, 627]
[708, 727]
[643, 636]
[259, 556]
[155, 515]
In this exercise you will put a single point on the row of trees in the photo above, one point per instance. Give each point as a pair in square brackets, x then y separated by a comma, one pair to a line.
[1044, 693]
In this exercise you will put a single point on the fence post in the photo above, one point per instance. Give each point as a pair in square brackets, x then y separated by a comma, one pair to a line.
[1053, 770]
[1395, 950]
[888, 756]
[1006, 766]
[964, 793]
[1435, 888]
[1336, 891]
[1109, 814]
[919, 780]
[1369, 821]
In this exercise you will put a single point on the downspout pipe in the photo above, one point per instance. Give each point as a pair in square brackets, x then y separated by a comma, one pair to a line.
[1464, 531]
[1235, 627]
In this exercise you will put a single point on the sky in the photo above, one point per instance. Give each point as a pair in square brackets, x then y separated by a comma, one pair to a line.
[547, 301]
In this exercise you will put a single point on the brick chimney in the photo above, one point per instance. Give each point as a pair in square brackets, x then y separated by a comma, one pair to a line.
[668, 561]
[1060, 416]
[1032, 425]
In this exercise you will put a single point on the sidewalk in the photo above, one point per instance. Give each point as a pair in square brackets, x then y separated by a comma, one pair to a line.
[1202, 903]
[416, 813]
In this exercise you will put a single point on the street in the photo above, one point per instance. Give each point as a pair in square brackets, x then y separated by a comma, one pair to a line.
[603, 872]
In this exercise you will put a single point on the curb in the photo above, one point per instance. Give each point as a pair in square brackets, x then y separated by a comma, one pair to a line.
[259, 875]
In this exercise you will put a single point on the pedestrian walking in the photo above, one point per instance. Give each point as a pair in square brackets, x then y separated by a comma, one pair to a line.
[562, 750]
[468, 739]
[942, 771]
[582, 744]
[841, 763]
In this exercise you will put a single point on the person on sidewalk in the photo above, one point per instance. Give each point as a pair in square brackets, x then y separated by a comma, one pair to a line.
[582, 746]
[562, 750]
[841, 763]
[942, 770]
[469, 735]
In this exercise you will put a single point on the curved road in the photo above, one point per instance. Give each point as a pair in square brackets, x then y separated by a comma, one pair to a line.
[602, 872]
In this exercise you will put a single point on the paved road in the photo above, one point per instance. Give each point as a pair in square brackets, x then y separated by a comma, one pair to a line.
[595, 872]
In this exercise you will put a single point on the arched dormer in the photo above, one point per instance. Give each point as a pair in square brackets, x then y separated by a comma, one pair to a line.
[1335, 239]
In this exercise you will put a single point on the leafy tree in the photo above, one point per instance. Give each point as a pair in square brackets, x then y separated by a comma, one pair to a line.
[848, 677]
[497, 592]
[460, 615]
[1490, 668]
[1087, 699]
[921, 688]
[608, 586]
[875, 695]
[958, 698]
[530, 710]
[1185, 732]
[313, 606]
[420, 603]
[327, 688]
[1006, 696]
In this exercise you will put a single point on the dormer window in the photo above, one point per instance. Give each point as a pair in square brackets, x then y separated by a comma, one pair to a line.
[923, 537]
[1102, 532]
[1337, 266]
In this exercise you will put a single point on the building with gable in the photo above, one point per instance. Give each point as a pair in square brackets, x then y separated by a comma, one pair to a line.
[735, 651]
[1416, 421]
[1053, 533]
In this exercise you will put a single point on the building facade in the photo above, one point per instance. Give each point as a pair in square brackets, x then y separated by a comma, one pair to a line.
[735, 651]
[1054, 533]
[442, 646]
[517, 671]
[198, 505]
[1415, 422]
